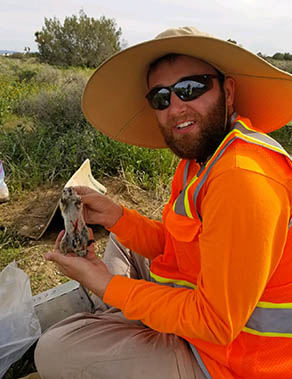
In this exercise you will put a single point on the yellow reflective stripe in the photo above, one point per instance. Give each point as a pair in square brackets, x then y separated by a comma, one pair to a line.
[163, 280]
[270, 320]
[187, 205]
[186, 198]
[259, 142]
[219, 147]
[266, 304]
[266, 334]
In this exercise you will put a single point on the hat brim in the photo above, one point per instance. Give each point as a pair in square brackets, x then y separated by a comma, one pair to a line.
[114, 97]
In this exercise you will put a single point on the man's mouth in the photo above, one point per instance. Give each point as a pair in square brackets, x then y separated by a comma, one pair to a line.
[184, 125]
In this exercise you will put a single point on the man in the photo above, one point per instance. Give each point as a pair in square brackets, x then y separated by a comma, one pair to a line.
[217, 299]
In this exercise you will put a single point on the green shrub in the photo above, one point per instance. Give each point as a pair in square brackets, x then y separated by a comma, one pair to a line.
[285, 65]
[56, 107]
[284, 136]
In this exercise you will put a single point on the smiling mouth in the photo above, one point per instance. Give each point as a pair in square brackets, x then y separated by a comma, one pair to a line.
[184, 125]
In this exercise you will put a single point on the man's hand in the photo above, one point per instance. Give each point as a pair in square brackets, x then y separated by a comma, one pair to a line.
[89, 271]
[98, 209]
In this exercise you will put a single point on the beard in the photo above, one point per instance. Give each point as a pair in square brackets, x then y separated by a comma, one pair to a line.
[211, 132]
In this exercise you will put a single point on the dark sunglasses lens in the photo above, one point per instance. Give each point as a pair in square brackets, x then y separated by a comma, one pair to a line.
[160, 99]
[190, 89]
[187, 89]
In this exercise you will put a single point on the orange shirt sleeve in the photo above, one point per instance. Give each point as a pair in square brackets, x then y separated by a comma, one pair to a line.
[245, 220]
[140, 234]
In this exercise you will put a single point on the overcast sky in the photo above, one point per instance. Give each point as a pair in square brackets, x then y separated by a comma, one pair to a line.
[258, 25]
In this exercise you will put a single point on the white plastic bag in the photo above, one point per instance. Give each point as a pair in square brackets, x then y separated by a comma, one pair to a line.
[4, 193]
[19, 325]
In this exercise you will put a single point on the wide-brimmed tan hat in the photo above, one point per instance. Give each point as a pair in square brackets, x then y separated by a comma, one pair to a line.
[114, 98]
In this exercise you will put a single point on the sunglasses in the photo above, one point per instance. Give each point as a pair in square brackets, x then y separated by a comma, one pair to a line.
[186, 89]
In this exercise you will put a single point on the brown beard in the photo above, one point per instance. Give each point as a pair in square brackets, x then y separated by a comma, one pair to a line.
[211, 133]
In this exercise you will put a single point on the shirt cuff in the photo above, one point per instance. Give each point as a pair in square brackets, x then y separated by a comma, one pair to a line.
[122, 225]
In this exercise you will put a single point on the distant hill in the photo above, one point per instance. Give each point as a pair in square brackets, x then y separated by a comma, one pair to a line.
[3, 52]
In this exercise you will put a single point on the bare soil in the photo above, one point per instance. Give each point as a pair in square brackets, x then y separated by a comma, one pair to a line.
[35, 216]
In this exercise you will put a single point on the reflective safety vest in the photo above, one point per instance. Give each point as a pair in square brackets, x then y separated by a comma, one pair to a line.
[271, 321]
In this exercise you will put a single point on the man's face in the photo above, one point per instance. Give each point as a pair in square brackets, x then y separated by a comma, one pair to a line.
[192, 129]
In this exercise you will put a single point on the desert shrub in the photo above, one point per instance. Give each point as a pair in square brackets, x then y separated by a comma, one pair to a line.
[17, 81]
[10, 93]
[79, 41]
[48, 75]
[55, 107]
[285, 65]
[284, 136]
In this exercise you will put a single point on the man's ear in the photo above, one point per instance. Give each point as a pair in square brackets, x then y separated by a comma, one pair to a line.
[229, 89]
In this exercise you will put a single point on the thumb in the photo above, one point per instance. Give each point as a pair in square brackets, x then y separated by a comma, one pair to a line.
[56, 257]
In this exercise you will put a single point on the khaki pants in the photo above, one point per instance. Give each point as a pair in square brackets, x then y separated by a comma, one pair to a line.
[105, 345]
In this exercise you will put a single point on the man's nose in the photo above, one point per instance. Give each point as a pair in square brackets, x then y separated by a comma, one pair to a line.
[177, 106]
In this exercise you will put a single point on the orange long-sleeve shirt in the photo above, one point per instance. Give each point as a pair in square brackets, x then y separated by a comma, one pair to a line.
[245, 206]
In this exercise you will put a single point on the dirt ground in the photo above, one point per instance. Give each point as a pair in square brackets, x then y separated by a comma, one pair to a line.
[36, 217]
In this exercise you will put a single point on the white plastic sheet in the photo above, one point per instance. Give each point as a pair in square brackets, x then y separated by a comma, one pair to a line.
[4, 192]
[19, 325]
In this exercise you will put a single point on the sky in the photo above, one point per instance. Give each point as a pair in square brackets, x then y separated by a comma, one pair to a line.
[258, 25]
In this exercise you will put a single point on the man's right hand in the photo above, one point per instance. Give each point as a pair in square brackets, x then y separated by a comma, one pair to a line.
[98, 209]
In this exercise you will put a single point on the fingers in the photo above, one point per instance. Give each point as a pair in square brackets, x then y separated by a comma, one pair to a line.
[58, 240]
[91, 197]
[91, 236]
[90, 247]
[83, 190]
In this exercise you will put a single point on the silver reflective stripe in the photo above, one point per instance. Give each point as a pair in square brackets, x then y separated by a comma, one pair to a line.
[175, 283]
[186, 170]
[290, 223]
[271, 320]
[202, 168]
[259, 137]
[179, 206]
[170, 284]
[200, 361]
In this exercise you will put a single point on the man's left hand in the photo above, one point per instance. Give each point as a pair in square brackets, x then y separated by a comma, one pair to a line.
[89, 271]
